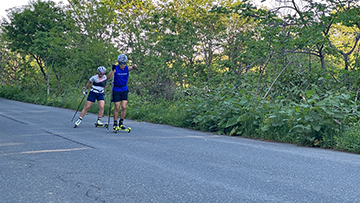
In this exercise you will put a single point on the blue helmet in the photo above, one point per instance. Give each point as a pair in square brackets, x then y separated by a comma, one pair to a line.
[122, 58]
[101, 69]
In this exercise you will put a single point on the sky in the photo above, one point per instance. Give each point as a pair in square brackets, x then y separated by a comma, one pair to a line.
[6, 4]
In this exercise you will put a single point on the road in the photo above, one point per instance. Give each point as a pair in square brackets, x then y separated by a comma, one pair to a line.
[44, 159]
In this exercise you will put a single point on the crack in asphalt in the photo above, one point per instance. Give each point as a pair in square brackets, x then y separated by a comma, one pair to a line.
[13, 119]
[50, 132]
[80, 143]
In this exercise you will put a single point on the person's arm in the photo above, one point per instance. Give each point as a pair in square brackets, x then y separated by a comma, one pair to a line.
[111, 73]
[87, 87]
[134, 67]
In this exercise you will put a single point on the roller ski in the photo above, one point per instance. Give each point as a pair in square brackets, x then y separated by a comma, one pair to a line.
[121, 128]
[100, 124]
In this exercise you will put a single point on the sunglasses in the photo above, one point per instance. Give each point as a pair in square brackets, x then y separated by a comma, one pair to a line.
[122, 63]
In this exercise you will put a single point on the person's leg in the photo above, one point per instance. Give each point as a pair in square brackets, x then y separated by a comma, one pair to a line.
[101, 108]
[101, 111]
[122, 113]
[123, 109]
[124, 98]
[90, 100]
[86, 108]
[116, 100]
[116, 112]
[83, 112]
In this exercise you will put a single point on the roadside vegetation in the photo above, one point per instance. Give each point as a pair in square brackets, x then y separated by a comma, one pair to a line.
[289, 74]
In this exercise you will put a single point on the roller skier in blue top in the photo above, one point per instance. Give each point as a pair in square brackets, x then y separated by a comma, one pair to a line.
[120, 89]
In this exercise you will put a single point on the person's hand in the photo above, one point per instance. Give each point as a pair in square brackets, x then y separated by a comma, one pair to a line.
[85, 92]
[135, 66]
[113, 67]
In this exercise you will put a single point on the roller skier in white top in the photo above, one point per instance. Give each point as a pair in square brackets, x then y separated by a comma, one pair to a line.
[96, 93]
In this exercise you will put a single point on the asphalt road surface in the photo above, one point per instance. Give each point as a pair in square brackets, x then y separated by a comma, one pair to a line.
[44, 159]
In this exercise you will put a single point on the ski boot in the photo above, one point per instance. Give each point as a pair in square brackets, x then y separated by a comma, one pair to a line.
[100, 124]
[77, 123]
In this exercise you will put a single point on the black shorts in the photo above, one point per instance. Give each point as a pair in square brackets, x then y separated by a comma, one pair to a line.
[95, 96]
[119, 96]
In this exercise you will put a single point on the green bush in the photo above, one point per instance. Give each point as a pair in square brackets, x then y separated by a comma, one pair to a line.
[349, 140]
[318, 120]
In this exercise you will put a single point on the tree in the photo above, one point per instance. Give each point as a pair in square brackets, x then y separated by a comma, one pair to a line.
[347, 25]
[27, 26]
[315, 24]
[92, 34]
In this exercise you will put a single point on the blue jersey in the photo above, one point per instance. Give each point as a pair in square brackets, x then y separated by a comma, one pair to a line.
[120, 79]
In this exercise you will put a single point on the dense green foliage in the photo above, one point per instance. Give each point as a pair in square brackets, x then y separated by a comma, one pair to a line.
[224, 67]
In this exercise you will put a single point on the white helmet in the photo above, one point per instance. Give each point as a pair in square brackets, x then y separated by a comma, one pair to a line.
[122, 58]
[101, 69]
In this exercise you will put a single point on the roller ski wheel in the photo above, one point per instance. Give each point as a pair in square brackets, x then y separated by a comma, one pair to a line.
[117, 129]
[101, 125]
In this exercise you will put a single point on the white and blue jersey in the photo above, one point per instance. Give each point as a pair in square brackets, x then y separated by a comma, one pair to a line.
[98, 84]
[120, 79]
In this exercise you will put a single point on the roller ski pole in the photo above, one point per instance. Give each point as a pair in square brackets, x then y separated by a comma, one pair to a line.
[77, 109]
